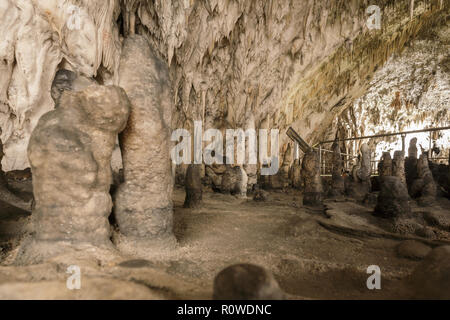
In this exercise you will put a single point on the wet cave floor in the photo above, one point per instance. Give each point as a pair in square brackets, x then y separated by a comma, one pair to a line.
[314, 253]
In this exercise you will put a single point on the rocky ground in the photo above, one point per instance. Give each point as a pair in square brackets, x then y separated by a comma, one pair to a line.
[313, 253]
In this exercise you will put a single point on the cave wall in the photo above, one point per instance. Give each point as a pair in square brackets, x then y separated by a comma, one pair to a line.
[410, 92]
[285, 62]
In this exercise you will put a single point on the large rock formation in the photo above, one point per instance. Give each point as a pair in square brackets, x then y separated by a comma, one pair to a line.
[312, 181]
[70, 154]
[246, 282]
[143, 203]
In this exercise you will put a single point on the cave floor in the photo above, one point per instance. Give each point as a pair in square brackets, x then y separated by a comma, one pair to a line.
[309, 257]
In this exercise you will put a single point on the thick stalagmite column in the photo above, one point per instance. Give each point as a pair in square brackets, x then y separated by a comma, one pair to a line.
[337, 182]
[281, 179]
[411, 163]
[358, 185]
[424, 187]
[398, 166]
[143, 203]
[70, 154]
[385, 165]
[393, 200]
[313, 189]
[193, 186]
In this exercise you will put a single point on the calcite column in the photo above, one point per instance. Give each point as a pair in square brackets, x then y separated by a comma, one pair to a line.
[358, 185]
[398, 166]
[193, 186]
[337, 180]
[143, 203]
[411, 163]
[313, 189]
[281, 179]
[424, 187]
[412, 149]
[385, 165]
[70, 154]
[365, 170]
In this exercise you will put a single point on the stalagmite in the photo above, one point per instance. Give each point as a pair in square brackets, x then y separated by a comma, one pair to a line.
[281, 179]
[193, 186]
[234, 181]
[70, 154]
[412, 149]
[143, 203]
[424, 187]
[337, 180]
[385, 165]
[313, 189]
[398, 166]
[393, 200]
[411, 164]
[358, 185]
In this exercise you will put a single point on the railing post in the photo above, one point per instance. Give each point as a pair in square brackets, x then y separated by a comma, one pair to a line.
[320, 158]
[429, 147]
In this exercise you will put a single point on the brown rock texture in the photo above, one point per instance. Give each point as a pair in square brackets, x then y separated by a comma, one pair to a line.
[393, 200]
[193, 186]
[424, 188]
[70, 154]
[337, 180]
[234, 181]
[313, 189]
[143, 203]
[246, 282]
[398, 166]
[385, 165]
[431, 278]
[358, 185]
